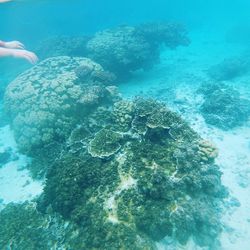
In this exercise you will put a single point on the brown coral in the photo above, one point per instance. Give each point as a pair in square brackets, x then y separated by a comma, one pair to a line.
[207, 151]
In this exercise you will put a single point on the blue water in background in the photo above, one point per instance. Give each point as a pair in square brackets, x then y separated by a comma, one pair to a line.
[206, 21]
[32, 20]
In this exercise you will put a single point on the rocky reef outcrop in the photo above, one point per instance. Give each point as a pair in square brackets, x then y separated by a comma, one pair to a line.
[223, 106]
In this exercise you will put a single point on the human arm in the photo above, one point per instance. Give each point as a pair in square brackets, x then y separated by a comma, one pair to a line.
[19, 53]
[12, 44]
[4, 1]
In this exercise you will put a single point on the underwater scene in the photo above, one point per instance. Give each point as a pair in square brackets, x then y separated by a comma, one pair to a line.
[124, 125]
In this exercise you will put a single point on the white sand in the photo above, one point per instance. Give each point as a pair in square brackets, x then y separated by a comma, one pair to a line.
[15, 182]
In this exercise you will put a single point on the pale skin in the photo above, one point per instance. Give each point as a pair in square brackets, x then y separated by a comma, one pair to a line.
[16, 49]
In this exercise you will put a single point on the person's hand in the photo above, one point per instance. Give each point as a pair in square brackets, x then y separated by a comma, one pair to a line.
[13, 44]
[25, 54]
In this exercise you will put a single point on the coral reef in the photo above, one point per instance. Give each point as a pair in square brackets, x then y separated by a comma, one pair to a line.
[122, 114]
[86, 72]
[22, 227]
[125, 49]
[128, 175]
[121, 51]
[138, 187]
[223, 107]
[45, 102]
[207, 150]
[105, 143]
[230, 68]
[120, 174]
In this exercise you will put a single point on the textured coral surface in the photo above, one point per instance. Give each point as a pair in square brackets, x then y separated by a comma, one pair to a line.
[125, 49]
[223, 106]
[120, 174]
[45, 102]
[127, 176]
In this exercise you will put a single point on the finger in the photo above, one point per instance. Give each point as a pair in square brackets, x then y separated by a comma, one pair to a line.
[32, 57]
[17, 44]
[20, 45]
[27, 57]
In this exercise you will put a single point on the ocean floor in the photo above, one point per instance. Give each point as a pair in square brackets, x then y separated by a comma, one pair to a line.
[174, 81]
[15, 183]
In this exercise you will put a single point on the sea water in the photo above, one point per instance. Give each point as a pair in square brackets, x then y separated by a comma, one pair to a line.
[206, 82]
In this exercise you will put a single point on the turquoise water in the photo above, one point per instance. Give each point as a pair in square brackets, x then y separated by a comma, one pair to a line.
[131, 131]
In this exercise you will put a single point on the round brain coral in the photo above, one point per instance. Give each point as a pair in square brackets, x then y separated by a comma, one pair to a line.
[47, 101]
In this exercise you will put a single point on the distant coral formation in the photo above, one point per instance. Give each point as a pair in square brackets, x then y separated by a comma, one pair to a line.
[125, 49]
[121, 50]
[223, 106]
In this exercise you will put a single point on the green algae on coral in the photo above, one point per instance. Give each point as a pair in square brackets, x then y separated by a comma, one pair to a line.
[124, 175]
[22, 227]
[151, 187]
[105, 143]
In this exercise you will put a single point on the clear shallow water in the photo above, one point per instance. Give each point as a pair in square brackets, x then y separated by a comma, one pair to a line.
[174, 81]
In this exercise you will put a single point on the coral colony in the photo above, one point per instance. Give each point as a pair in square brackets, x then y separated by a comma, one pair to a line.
[119, 174]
